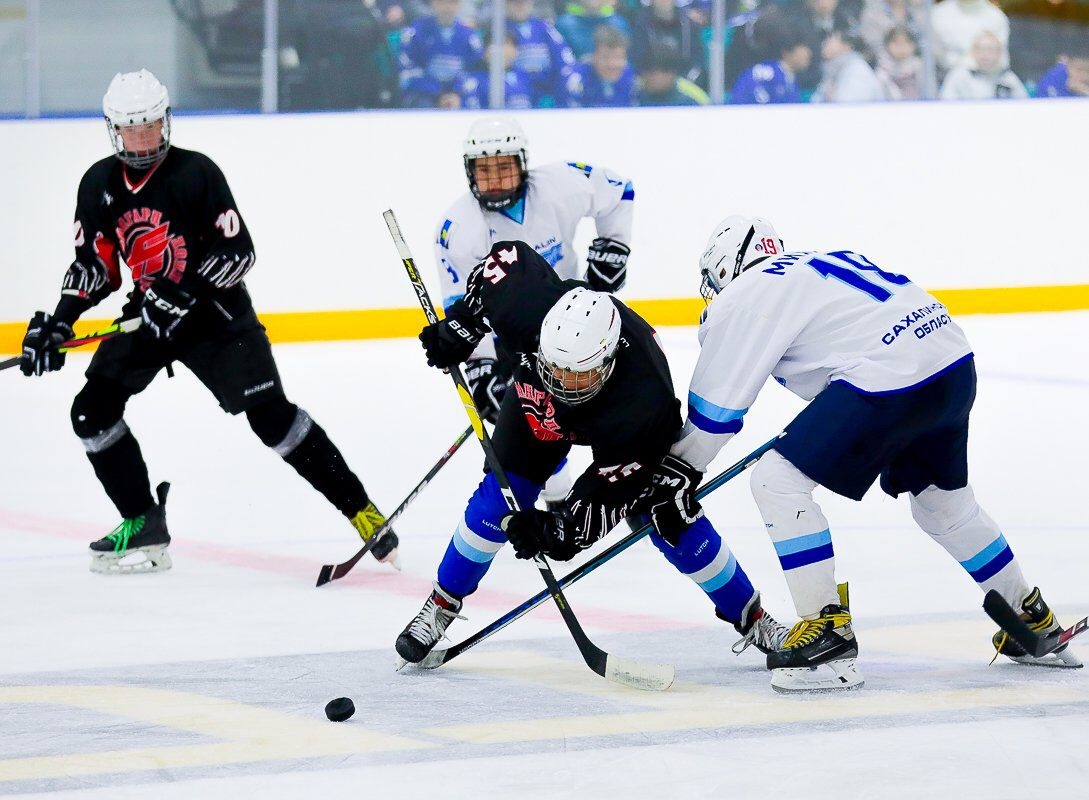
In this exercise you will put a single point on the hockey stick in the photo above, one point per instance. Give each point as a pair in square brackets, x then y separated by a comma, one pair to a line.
[436, 658]
[124, 326]
[330, 572]
[653, 677]
[1010, 621]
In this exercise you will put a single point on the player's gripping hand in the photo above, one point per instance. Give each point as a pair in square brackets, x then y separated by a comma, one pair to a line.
[607, 265]
[164, 308]
[670, 498]
[453, 339]
[44, 335]
[534, 533]
[488, 381]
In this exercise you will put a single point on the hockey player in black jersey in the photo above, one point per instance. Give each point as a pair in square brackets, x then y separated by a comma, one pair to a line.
[169, 215]
[589, 371]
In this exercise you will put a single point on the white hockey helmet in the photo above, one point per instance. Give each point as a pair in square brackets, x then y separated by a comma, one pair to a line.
[736, 244]
[496, 136]
[577, 351]
[136, 98]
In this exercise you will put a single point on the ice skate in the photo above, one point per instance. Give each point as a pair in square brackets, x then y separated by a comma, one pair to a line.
[1036, 612]
[367, 522]
[429, 626]
[138, 544]
[818, 654]
[757, 628]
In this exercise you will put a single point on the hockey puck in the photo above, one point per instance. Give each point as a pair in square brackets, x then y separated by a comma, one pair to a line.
[340, 709]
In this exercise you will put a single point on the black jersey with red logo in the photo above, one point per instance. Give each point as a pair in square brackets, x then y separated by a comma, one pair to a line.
[629, 425]
[176, 221]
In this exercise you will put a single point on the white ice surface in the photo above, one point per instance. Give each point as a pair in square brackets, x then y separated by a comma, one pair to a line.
[209, 680]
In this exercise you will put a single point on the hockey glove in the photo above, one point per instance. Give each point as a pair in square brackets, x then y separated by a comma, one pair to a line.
[607, 265]
[671, 498]
[488, 381]
[453, 339]
[44, 335]
[164, 308]
[547, 533]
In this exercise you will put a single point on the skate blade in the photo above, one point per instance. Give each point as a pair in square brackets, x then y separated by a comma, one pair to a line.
[153, 558]
[832, 676]
[1063, 659]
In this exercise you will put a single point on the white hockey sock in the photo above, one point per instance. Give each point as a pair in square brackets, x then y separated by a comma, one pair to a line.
[799, 531]
[956, 522]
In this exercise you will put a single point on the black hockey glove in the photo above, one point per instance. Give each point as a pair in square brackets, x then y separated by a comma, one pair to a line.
[671, 498]
[534, 533]
[488, 381]
[164, 308]
[607, 265]
[44, 335]
[453, 339]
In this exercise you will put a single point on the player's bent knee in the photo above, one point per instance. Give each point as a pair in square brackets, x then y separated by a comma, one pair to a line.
[279, 424]
[97, 415]
[774, 477]
[941, 510]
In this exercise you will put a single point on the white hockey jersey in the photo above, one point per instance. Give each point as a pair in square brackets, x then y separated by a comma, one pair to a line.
[808, 319]
[557, 197]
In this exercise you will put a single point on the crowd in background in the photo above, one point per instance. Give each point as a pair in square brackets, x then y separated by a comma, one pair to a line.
[434, 53]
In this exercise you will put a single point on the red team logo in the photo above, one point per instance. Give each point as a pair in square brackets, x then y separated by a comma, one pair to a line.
[148, 246]
[540, 413]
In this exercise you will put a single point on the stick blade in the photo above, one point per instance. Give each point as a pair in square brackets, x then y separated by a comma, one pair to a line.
[637, 675]
[325, 575]
[433, 660]
[1010, 621]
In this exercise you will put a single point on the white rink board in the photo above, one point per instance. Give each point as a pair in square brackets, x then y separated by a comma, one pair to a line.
[951, 194]
[209, 680]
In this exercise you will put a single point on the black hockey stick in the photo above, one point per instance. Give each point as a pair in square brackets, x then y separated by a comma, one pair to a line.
[124, 326]
[330, 572]
[653, 677]
[1010, 621]
[436, 658]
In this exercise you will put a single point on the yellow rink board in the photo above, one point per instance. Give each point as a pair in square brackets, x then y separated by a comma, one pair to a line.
[393, 323]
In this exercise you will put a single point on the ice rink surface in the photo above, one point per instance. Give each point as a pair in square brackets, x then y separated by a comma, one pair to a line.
[210, 680]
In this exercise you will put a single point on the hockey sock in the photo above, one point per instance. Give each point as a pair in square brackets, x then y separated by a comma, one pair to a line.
[799, 531]
[956, 522]
[703, 556]
[307, 448]
[478, 536]
[121, 470]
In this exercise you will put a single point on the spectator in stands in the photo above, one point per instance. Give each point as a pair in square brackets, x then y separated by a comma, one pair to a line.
[582, 21]
[661, 82]
[773, 81]
[984, 73]
[607, 79]
[881, 16]
[955, 25]
[436, 53]
[820, 17]
[1069, 77]
[542, 52]
[848, 77]
[517, 93]
[899, 66]
[663, 24]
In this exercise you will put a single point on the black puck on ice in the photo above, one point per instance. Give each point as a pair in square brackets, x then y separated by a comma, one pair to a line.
[340, 709]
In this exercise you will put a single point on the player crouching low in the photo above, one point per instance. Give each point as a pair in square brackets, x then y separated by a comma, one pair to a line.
[889, 400]
[589, 371]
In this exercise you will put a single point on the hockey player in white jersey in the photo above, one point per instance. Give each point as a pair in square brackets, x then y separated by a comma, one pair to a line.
[542, 207]
[892, 380]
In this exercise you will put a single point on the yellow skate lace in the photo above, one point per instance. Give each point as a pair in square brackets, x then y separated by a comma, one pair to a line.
[367, 521]
[808, 630]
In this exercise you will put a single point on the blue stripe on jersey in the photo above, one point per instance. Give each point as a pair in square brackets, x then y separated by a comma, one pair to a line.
[708, 417]
[585, 168]
[554, 254]
[804, 550]
[629, 192]
[987, 562]
[444, 234]
[923, 382]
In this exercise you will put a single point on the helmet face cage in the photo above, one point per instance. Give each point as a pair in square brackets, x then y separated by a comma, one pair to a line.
[716, 276]
[132, 100]
[143, 159]
[571, 387]
[497, 201]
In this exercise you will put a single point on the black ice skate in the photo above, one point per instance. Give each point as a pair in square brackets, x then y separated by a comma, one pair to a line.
[1040, 619]
[368, 522]
[138, 544]
[429, 626]
[757, 628]
[818, 654]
